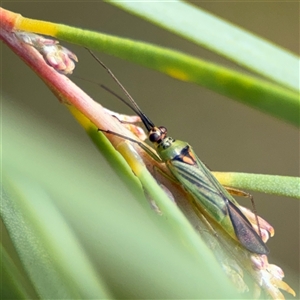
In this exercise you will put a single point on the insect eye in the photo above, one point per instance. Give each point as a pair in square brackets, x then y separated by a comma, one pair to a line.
[154, 136]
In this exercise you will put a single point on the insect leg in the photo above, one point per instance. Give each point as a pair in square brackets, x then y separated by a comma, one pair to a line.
[237, 192]
[145, 147]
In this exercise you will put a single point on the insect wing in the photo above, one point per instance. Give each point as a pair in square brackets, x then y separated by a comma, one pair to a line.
[195, 181]
[248, 237]
[214, 199]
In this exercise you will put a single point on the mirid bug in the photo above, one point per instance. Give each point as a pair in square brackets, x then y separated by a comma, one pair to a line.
[188, 170]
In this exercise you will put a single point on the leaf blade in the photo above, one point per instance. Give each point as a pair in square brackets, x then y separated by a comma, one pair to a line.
[222, 37]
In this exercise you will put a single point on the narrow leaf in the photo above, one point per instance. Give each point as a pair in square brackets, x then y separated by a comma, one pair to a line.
[220, 36]
[267, 97]
[270, 184]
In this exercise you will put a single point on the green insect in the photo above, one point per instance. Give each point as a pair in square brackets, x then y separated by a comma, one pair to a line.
[195, 177]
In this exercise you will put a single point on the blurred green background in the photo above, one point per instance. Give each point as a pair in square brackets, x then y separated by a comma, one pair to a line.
[226, 135]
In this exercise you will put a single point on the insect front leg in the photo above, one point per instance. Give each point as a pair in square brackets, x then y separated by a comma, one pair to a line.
[145, 147]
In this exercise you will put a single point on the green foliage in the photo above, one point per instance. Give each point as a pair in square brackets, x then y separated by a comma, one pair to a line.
[94, 240]
[280, 100]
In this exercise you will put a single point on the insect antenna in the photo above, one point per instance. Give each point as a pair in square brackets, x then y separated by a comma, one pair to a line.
[109, 91]
[120, 98]
[147, 122]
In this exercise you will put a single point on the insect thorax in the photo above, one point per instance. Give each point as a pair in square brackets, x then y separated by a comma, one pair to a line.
[169, 148]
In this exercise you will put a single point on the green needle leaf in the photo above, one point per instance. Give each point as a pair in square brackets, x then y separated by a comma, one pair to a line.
[270, 184]
[276, 100]
[45, 242]
[220, 36]
[13, 283]
[265, 96]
